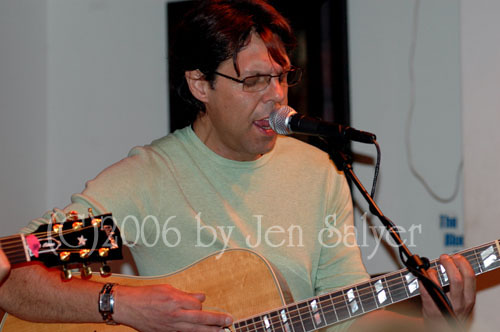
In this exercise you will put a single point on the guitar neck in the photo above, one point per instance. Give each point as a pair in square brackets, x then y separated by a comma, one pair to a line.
[14, 247]
[72, 242]
[356, 300]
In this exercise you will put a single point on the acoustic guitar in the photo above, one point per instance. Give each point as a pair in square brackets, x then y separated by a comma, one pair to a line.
[245, 284]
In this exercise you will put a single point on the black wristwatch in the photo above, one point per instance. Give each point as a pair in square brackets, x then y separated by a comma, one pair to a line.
[107, 303]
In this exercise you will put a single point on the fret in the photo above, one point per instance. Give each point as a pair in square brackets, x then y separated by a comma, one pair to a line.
[328, 309]
[275, 322]
[294, 316]
[358, 297]
[386, 287]
[240, 327]
[280, 323]
[257, 324]
[317, 313]
[340, 305]
[441, 277]
[412, 284]
[367, 297]
[488, 257]
[353, 302]
[266, 323]
[472, 256]
[381, 292]
[403, 282]
[396, 287]
[476, 265]
[16, 258]
[14, 249]
[305, 316]
[285, 321]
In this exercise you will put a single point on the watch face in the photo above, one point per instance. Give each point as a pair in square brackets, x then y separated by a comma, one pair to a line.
[105, 302]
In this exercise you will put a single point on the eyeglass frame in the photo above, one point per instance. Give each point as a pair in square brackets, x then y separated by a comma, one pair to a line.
[279, 76]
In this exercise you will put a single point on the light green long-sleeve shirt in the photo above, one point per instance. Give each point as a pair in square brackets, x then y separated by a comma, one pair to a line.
[177, 201]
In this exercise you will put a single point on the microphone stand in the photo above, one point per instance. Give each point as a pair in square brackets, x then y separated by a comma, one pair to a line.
[414, 263]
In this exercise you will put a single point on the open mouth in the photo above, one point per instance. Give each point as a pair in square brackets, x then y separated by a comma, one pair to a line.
[263, 124]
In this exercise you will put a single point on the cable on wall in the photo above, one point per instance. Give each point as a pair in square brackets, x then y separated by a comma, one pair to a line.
[411, 71]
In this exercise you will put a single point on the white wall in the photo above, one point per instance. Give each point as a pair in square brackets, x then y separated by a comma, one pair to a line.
[23, 112]
[457, 70]
[480, 36]
[81, 83]
[106, 86]
[384, 45]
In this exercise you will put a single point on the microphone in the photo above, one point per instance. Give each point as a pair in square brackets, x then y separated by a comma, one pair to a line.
[286, 121]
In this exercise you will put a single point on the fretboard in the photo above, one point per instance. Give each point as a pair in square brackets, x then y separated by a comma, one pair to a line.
[358, 299]
[14, 248]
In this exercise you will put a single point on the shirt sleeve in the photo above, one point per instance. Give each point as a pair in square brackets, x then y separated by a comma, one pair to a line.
[120, 189]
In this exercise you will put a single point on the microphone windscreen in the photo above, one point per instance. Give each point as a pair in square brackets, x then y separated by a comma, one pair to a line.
[278, 120]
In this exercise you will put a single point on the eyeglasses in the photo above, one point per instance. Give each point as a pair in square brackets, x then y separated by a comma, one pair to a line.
[256, 83]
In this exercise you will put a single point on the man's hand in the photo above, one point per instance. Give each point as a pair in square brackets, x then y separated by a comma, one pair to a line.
[164, 308]
[4, 266]
[462, 292]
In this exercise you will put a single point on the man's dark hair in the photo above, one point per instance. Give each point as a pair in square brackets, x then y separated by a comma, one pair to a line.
[215, 31]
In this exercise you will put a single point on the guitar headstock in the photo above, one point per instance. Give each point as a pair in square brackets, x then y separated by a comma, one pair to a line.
[76, 243]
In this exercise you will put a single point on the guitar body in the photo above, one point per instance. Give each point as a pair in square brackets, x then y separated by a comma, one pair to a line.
[238, 281]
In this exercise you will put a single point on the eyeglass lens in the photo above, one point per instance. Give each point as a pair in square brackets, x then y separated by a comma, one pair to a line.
[256, 83]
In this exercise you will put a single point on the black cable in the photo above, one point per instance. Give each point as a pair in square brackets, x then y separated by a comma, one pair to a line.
[377, 168]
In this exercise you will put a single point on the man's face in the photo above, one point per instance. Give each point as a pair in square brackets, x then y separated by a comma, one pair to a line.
[235, 124]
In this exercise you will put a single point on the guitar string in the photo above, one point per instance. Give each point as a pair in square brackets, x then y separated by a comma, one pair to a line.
[273, 320]
[280, 325]
[8, 244]
[307, 313]
[15, 236]
[469, 253]
[363, 295]
[329, 309]
[13, 245]
[8, 248]
[14, 239]
[305, 310]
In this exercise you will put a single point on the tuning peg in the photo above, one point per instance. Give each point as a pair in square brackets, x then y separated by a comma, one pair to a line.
[105, 270]
[103, 252]
[64, 256]
[84, 253]
[86, 271]
[56, 228]
[72, 216]
[91, 213]
[96, 222]
[77, 225]
[66, 273]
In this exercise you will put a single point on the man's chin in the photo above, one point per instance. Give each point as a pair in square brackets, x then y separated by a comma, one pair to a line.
[268, 147]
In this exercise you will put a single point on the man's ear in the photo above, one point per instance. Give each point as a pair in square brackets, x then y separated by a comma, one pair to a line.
[197, 84]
